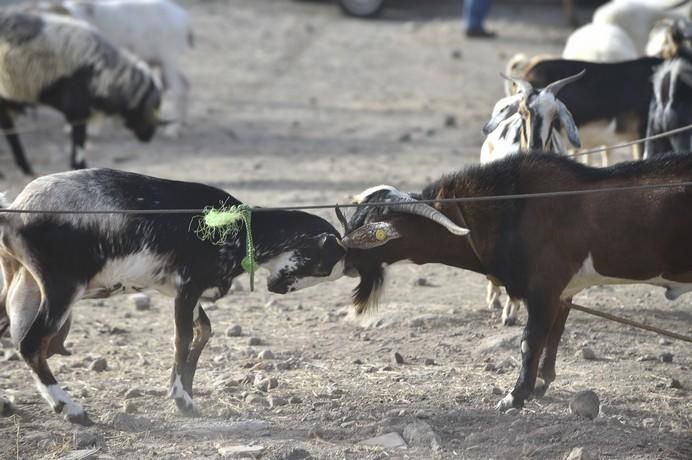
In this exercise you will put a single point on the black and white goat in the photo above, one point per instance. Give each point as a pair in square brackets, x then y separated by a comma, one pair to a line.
[51, 261]
[529, 121]
[671, 106]
[65, 64]
[543, 250]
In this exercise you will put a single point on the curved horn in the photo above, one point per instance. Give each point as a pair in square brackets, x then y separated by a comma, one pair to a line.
[408, 205]
[342, 219]
[524, 85]
[556, 86]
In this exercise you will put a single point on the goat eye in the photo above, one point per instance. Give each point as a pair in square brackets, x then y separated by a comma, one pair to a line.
[380, 235]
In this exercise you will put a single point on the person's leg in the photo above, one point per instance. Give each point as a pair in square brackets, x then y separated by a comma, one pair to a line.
[475, 12]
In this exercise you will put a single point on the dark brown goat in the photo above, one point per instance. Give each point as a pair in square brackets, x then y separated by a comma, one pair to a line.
[543, 250]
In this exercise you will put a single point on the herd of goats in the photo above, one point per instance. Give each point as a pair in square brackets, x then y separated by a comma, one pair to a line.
[68, 55]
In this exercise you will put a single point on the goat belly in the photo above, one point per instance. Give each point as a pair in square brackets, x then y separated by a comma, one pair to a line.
[133, 272]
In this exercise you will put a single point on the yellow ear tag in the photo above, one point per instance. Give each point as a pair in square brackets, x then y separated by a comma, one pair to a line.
[380, 235]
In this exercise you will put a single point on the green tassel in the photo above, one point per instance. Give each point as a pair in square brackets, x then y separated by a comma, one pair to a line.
[217, 224]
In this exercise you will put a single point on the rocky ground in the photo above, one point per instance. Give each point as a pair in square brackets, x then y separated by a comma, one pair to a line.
[295, 104]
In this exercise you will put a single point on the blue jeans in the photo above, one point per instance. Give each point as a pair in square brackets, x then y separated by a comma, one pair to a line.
[475, 12]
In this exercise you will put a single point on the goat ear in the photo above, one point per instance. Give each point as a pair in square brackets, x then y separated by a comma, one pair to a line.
[370, 236]
[568, 123]
[501, 114]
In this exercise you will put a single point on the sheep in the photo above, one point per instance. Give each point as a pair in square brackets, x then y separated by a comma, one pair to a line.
[528, 121]
[637, 18]
[597, 42]
[51, 261]
[669, 108]
[65, 64]
[157, 31]
[554, 247]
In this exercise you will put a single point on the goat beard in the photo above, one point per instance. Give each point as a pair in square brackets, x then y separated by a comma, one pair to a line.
[367, 294]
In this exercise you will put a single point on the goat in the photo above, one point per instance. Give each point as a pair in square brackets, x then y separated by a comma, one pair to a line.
[528, 121]
[669, 107]
[156, 31]
[595, 42]
[51, 261]
[610, 104]
[65, 64]
[553, 248]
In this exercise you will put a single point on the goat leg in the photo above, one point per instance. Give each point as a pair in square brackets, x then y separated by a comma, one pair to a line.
[7, 125]
[185, 304]
[79, 132]
[547, 367]
[202, 332]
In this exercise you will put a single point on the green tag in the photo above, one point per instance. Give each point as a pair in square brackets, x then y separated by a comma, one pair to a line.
[248, 264]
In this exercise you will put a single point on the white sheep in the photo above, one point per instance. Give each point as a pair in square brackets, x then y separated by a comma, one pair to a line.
[157, 31]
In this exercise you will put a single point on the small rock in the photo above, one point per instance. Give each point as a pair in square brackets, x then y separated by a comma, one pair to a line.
[357, 361]
[421, 434]
[11, 355]
[666, 357]
[429, 362]
[6, 407]
[256, 400]
[649, 422]
[229, 412]
[237, 286]
[397, 358]
[83, 438]
[276, 401]
[240, 451]
[646, 358]
[297, 454]
[294, 400]
[457, 54]
[133, 393]
[387, 368]
[578, 453]
[675, 383]
[664, 341]
[406, 137]
[130, 407]
[489, 367]
[585, 404]
[587, 353]
[234, 331]
[266, 354]
[254, 341]
[388, 441]
[98, 365]
[512, 411]
[423, 282]
[497, 391]
[142, 301]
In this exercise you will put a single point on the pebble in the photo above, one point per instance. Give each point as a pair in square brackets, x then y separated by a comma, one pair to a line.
[456, 54]
[387, 368]
[421, 434]
[276, 401]
[646, 358]
[11, 355]
[357, 361]
[266, 354]
[294, 400]
[387, 440]
[675, 383]
[254, 341]
[406, 137]
[130, 407]
[578, 453]
[397, 358]
[141, 301]
[265, 384]
[649, 422]
[422, 282]
[228, 412]
[234, 331]
[666, 357]
[256, 399]
[133, 393]
[98, 365]
[83, 438]
[6, 407]
[497, 391]
[512, 411]
[240, 451]
[237, 286]
[297, 454]
[489, 367]
[587, 353]
[585, 404]
[664, 341]
[429, 362]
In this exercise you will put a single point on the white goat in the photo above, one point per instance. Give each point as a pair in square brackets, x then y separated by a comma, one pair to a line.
[157, 31]
[596, 42]
[526, 122]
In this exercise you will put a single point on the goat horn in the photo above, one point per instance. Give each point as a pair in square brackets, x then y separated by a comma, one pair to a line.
[524, 85]
[556, 86]
[342, 219]
[408, 205]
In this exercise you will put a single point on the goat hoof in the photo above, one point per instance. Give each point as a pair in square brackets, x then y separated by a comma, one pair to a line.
[540, 389]
[185, 406]
[80, 418]
[509, 321]
[508, 402]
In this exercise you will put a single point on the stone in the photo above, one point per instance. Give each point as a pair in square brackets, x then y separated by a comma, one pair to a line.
[357, 361]
[266, 354]
[240, 451]
[98, 365]
[664, 341]
[489, 367]
[456, 54]
[130, 407]
[276, 401]
[237, 286]
[406, 137]
[256, 400]
[649, 422]
[646, 358]
[666, 357]
[297, 454]
[497, 391]
[422, 282]
[295, 400]
[429, 362]
[6, 407]
[229, 412]
[253, 341]
[675, 383]
[388, 441]
[585, 404]
[141, 301]
[397, 358]
[83, 438]
[578, 453]
[587, 353]
[421, 434]
[133, 393]
[234, 331]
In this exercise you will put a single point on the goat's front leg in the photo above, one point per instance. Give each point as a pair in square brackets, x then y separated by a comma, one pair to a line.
[185, 304]
[79, 133]
[547, 367]
[202, 332]
[542, 311]
[7, 125]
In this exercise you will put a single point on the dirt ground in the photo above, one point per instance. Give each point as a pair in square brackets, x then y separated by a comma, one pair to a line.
[294, 104]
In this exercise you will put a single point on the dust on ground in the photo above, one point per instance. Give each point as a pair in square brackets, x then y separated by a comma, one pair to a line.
[292, 104]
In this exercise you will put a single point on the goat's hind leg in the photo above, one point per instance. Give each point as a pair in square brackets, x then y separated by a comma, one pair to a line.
[202, 332]
[185, 306]
[546, 370]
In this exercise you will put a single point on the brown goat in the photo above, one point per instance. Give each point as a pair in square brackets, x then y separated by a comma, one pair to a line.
[543, 250]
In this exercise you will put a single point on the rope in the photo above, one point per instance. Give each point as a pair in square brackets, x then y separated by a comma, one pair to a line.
[630, 143]
[384, 204]
[7, 132]
[632, 323]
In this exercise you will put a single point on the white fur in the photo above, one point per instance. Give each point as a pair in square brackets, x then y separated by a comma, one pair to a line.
[302, 283]
[600, 42]
[157, 31]
[177, 392]
[55, 396]
[134, 272]
[505, 403]
[284, 261]
[362, 196]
